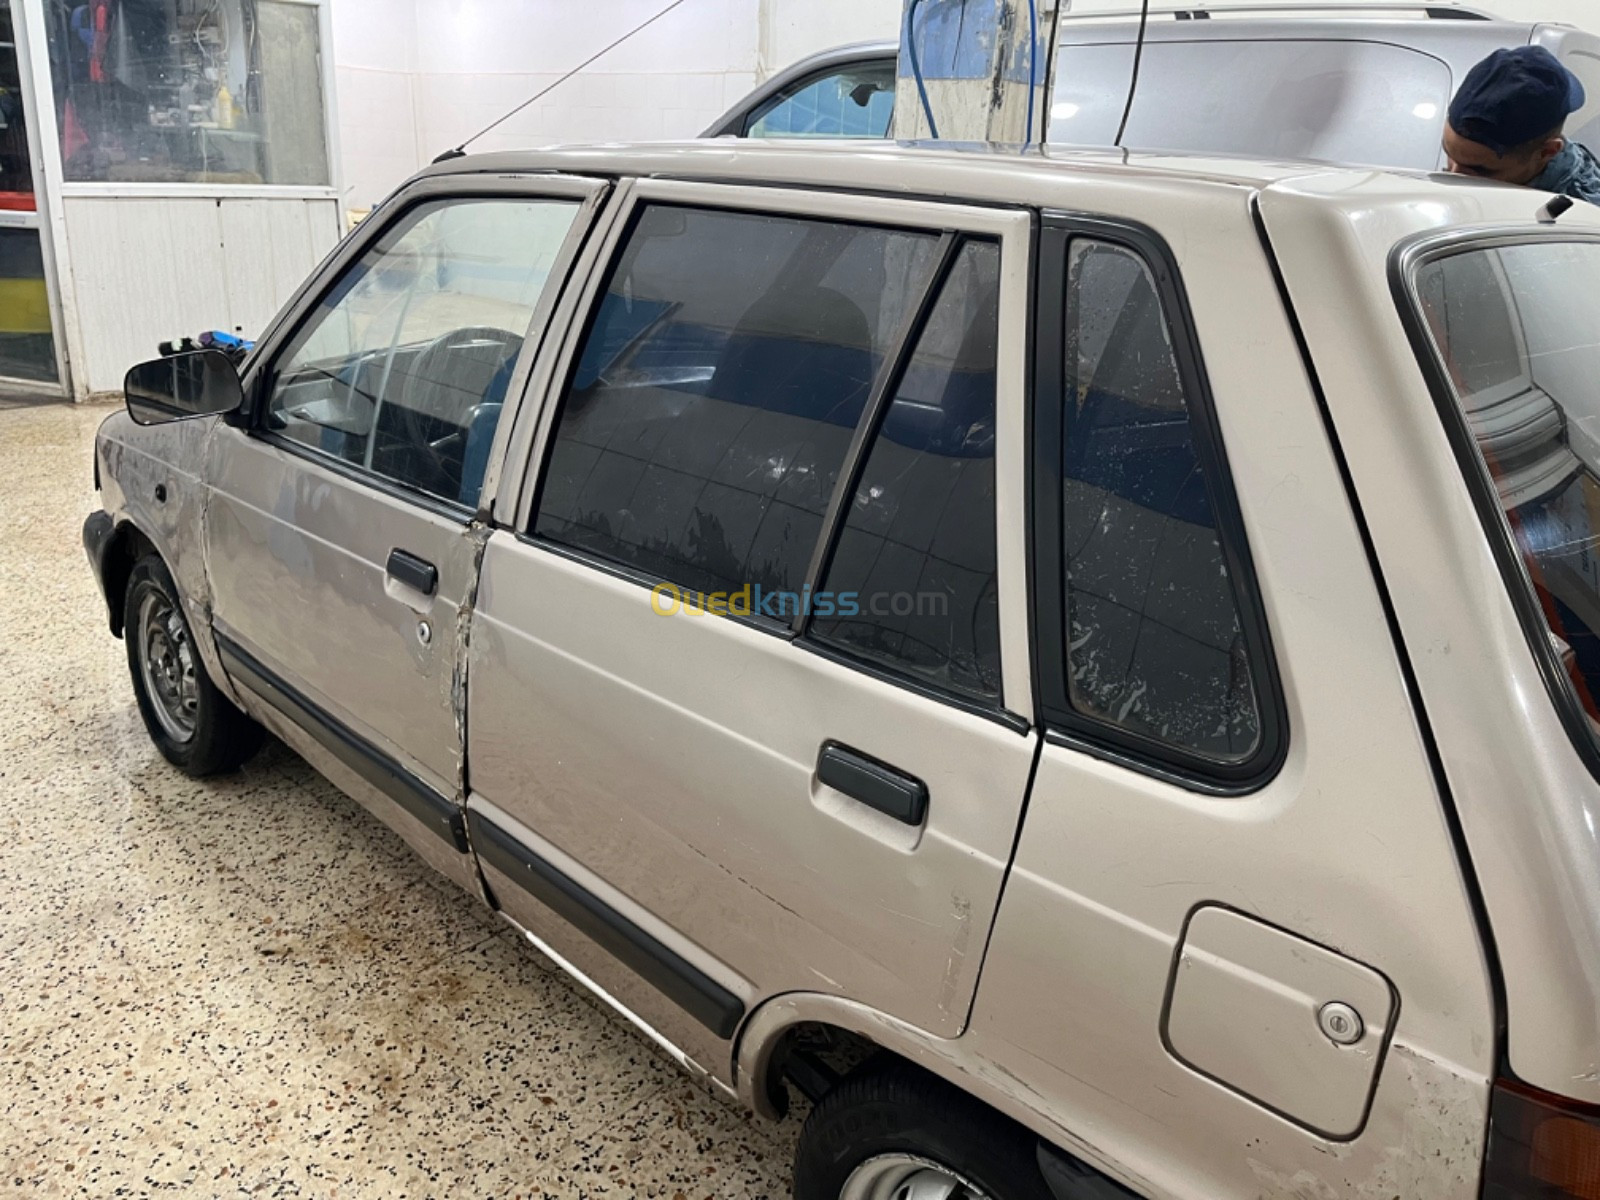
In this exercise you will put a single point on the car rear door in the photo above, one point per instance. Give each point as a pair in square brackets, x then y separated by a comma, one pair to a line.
[341, 528]
[802, 413]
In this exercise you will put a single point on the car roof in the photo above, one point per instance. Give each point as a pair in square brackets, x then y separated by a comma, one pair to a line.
[1417, 23]
[1047, 177]
[1423, 21]
[944, 169]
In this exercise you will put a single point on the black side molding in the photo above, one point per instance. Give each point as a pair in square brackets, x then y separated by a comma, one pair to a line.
[674, 976]
[416, 573]
[438, 812]
[1069, 1179]
[875, 784]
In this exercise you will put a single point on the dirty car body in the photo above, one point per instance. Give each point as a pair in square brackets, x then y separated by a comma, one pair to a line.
[1199, 782]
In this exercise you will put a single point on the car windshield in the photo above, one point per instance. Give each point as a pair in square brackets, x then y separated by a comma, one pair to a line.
[1517, 330]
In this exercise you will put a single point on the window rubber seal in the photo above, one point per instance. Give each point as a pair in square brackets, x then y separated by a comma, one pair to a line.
[1064, 724]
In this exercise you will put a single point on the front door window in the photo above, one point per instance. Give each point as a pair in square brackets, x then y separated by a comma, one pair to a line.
[402, 369]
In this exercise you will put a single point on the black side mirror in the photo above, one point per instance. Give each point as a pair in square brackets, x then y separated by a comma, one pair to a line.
[863, 93]
[201, 384]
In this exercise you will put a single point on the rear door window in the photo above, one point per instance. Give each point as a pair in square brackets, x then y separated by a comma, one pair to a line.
[718, 388]
[912, 585]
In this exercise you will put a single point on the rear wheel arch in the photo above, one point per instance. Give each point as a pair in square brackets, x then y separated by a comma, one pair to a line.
[772, 1046]
[772, 1031]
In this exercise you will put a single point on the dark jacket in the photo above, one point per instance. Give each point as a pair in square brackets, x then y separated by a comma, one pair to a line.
[1574, 172]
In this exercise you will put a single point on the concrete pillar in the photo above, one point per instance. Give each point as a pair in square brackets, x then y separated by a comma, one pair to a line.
[979, 61]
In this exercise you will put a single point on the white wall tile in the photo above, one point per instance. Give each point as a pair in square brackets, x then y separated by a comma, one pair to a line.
[463, 63]
[459, 64]
[381, 34]
[792, 29]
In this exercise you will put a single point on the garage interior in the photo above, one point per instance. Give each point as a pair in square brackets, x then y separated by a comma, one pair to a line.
[247, 986]
[250, 987]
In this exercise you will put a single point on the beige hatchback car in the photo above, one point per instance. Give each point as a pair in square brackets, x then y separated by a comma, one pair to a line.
[1086, 670]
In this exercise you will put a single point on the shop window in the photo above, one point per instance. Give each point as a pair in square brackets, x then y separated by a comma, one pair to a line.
[16, 164]
[27, 347]
[188, 91]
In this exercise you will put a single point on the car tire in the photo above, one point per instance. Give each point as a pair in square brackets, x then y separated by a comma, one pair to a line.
[196, 728]
[891, 1126]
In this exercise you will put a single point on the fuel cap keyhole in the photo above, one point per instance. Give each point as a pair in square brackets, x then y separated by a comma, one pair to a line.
[1340, 1023]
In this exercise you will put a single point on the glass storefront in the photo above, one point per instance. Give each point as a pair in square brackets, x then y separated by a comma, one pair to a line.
[27, 342]
[188, 91]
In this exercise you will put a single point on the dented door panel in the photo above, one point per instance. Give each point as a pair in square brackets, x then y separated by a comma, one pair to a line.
[340, 525]
[152, 478]
[676, 758]
[299, 558]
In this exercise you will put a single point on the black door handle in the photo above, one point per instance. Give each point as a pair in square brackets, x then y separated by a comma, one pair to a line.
[875, 784]
[414, 572]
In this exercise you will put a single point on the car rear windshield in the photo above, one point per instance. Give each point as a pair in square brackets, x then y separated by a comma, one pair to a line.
[1516, 331]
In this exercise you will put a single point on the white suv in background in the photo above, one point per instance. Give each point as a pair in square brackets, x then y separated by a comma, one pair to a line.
[1358, 84]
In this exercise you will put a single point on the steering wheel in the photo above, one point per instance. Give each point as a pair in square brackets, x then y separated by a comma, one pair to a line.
[460, 363]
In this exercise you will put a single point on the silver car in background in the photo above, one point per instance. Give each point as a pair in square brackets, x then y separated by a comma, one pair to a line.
[1363, 84]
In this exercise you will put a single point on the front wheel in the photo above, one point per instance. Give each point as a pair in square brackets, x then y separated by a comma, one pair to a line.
[892, 1131]
[196, 728]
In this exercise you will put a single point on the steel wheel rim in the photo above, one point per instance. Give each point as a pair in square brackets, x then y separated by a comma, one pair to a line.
[167, 665]
[907, 1177]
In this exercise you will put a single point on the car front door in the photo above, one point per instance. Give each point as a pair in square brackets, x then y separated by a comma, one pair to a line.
[340, 528]
[749, 692]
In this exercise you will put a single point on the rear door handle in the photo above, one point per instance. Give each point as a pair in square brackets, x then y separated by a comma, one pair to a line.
[414, 572]
[875, 784]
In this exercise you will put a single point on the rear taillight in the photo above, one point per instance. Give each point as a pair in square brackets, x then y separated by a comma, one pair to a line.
[1541, 1147]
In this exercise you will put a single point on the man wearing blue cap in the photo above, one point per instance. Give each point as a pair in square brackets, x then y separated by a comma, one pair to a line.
[1507, 122]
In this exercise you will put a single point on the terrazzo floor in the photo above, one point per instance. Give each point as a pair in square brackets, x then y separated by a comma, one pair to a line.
[248, 987]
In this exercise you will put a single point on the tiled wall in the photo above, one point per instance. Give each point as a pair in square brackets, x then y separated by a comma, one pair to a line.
[415, 77]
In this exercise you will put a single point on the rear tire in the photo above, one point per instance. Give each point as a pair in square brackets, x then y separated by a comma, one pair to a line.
[892, 1130]
[196, 728]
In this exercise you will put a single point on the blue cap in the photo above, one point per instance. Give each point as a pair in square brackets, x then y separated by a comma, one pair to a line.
[1513, 97]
